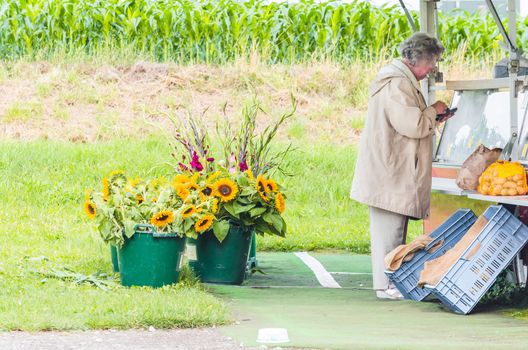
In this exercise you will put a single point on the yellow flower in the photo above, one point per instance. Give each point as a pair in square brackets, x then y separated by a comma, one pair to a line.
[249, 174]
[195, 177]
[163, 218]
[106, 189]
[133, 182]
[207, 190]
[180, 179]
[213, 176]
[139, 199]
[260, 185]
[271, 186]
[157, 183]
[214, 206]
[225, 189]
[118, 178]
[89, 209]
[116, 172]
[264, 196]
[280, 203]
[192, 186]
[182, 191]
[204, 223]
[188, 211]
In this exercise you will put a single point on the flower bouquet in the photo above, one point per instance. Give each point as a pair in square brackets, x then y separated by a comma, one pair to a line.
[236, 194]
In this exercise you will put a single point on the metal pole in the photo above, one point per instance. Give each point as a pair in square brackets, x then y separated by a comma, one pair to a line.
[409, 17]
[427, 25]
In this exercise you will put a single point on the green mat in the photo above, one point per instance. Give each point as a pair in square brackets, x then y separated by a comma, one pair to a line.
[289, 296]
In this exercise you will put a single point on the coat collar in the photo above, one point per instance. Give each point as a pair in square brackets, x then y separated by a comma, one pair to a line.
[405, 70]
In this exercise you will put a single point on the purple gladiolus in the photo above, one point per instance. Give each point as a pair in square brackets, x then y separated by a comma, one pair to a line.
[195, 162]
[243, 166]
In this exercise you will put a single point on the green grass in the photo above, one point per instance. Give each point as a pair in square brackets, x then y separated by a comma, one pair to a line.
[23, 112]
[41, 187]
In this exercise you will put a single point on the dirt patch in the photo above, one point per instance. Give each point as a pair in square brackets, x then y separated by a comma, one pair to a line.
[83, 102]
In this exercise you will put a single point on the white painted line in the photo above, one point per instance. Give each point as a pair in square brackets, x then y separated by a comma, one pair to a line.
[325, 279]
[350, 273]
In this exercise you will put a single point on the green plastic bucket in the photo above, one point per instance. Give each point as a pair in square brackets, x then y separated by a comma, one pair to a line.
[113, 255]
[150, 258]
[224, 262]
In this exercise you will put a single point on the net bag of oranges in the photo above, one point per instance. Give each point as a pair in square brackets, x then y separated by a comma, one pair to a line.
[503, 178]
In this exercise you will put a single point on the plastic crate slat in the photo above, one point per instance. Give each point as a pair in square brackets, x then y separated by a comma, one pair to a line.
[466, 282]
[450, 232]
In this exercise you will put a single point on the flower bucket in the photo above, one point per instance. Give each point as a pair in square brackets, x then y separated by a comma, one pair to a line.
[224, 262]
[113, 255]
[150, 258]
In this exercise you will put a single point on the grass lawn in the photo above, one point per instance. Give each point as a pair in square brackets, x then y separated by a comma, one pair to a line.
[44, 228]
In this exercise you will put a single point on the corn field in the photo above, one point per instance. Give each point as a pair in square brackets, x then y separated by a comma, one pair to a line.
[218, 31]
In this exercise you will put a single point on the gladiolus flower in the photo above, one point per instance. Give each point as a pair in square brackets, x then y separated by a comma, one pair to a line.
[195, 163]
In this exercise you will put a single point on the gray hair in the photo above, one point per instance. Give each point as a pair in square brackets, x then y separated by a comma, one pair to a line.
[420, 47]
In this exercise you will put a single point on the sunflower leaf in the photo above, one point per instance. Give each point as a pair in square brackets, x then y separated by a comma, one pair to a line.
[187, 224]
[129, 228]
[241, 208]
[274, 220]
[257, 211]
[248, 191]
[220, 230]
[229, 207]
[243, 181]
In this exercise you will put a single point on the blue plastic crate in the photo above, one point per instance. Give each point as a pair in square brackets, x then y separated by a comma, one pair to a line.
[466, 282]
[449, 233]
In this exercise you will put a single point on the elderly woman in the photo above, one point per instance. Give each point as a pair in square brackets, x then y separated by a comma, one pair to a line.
[393, 168]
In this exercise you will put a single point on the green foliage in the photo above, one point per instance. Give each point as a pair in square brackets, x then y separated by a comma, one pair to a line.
[504, 291]
[44, 231]
[223, 30]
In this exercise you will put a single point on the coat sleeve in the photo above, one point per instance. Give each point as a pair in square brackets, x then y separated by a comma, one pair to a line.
[404, 112]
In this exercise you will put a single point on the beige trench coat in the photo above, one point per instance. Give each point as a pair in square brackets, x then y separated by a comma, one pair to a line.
[393, 167]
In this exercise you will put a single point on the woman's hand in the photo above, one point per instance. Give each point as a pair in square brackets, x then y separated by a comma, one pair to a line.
[441, 109]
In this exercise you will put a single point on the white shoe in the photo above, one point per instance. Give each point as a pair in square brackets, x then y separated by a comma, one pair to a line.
[389, 293]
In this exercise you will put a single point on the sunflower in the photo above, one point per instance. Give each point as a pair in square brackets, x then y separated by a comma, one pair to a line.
[260, 185]
[157, 183]
[204, 223]
[182, 192]
[271, 186]
[163, 218]
[180, 179]
[188, 211]
[116, 172]
[106, 189]
[207, 190]
[134, 182]
[280, 203]
[194, 177]
[214, 206]
[139, 199]
[264, 196]
[192, 186]
[118, 178]
[213, 176]
[89, 209]
[225, 189]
